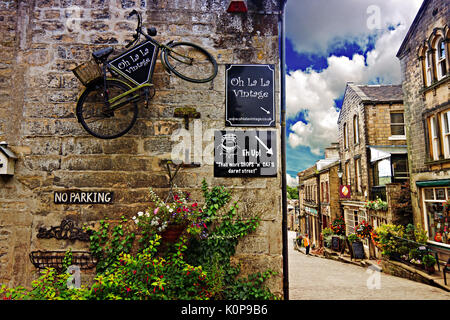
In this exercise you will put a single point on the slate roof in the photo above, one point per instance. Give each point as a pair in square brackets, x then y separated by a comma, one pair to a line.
[370, 94]
[379, 93]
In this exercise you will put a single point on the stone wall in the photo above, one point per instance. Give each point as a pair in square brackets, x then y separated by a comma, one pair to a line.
[352, 106]
[435, 14]
[40, 42]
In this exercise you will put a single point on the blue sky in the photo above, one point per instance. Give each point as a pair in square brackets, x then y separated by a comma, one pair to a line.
[330, 43]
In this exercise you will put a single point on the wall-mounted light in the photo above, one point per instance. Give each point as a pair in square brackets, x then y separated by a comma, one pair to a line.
[237, 6]
[340, 173]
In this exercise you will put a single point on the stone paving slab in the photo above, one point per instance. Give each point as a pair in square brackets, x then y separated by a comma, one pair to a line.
[315, 278]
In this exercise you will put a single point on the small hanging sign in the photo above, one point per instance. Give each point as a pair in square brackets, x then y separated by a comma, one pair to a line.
[250, 97]
[83, 197]
[136, 64]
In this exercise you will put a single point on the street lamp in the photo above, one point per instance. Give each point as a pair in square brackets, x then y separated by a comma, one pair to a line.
[340, 173]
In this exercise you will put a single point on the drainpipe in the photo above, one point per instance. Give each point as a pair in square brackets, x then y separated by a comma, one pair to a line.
[281, 24]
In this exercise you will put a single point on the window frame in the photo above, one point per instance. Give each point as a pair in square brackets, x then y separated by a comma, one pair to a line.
[355, 129]
[441, 61]
[347, 173]
[345, 136]
[425, 211]
[358, 175]
[397, 124]
[438, 132]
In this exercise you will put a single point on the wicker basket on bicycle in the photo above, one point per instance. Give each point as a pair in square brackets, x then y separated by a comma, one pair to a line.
[87, 72]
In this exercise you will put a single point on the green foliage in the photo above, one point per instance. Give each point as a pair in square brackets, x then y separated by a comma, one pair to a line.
[147, 276]
[416, 233]
[51, 285]
[388, 241]
[353, 237]
[292, 192]
[192, 268]
[225, 228]
[428, 260]
[108, 242]
[327, 232]
[377, 204]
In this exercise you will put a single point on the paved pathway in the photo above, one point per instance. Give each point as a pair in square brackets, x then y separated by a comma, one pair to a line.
[315, 278]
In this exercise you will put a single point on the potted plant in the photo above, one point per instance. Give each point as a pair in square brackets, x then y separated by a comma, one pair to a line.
[352, 238]
[363, 230]
[338, 226]
[429, 261]
[170, 219]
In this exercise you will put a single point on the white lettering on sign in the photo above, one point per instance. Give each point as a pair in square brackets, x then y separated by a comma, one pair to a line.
[83, 197]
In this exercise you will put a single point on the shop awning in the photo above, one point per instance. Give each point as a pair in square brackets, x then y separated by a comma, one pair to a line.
[383, 152]
[433, 183]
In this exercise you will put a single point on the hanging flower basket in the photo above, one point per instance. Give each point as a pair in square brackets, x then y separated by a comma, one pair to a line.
[363, 230]
[172, 233]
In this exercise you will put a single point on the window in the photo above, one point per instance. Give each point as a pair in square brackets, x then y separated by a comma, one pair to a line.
[397, 124]
[322, 192]
[327, 195]
[439, 135]
[434, 137]
[445, 125]
[436, 217]
[440, 60]
[345, 136]
[352, 218]
[358, 175]
[347, 172]
[355, 130]
[428, 69]
[382, 173]
[399, 164]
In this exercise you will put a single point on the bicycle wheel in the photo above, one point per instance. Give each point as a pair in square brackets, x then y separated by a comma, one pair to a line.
[96, 119]
[190, 62]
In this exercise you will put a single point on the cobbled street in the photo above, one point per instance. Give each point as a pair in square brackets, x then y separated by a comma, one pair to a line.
[315, 278]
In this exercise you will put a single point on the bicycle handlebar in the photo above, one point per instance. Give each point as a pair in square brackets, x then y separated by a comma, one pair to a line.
[138, 29]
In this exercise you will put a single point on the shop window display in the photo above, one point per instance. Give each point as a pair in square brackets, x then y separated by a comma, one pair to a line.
[437, 213]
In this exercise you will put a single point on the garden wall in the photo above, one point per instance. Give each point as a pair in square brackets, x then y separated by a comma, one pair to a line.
[40, 42]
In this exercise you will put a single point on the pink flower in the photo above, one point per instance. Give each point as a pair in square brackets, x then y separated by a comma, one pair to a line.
[156, 211]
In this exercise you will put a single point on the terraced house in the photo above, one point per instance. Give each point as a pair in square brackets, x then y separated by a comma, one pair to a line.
[373, 153]
[424, 58]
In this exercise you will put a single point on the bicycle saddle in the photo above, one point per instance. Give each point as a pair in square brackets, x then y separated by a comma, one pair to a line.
[102, 54]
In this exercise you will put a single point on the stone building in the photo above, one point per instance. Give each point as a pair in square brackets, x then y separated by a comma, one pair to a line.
[308, 202]
[293, 209]
[329, 185]
[373, 151]
[41, 41]
[424, 59]
[318, 195]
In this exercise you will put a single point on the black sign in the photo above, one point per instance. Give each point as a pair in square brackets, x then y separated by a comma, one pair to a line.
[335, 243]
[136, 64]
[358, 250]
[83, 197]
[250, 99]
[245, 154]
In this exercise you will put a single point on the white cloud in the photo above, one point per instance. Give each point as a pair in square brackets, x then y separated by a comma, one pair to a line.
[319, 26]
[292, 182]
[313, 92]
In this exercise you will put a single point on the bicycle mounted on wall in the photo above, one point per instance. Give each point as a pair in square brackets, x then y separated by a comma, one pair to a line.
[107, 108]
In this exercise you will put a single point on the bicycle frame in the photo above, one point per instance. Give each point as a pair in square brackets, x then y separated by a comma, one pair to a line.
[114, 103]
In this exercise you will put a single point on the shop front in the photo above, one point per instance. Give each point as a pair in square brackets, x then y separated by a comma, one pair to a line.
[435, 207]
[312, 226]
